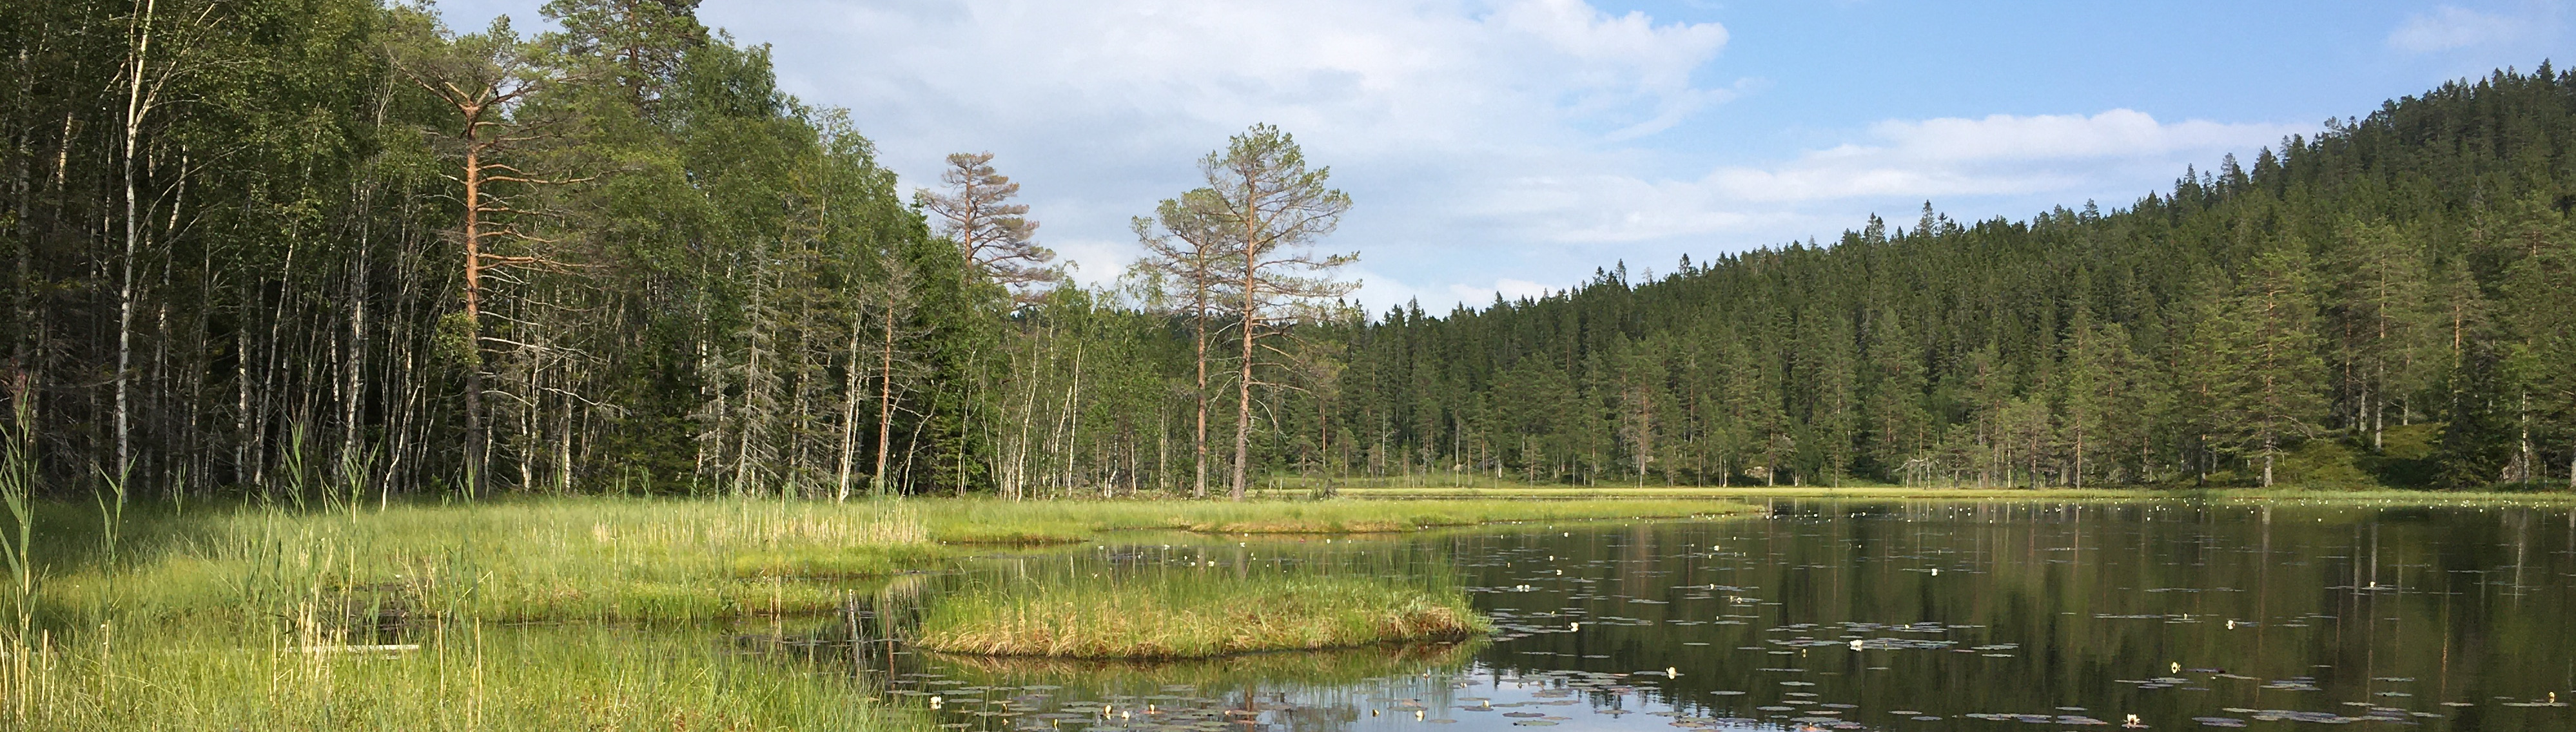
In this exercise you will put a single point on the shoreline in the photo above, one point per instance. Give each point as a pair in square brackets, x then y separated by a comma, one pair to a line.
[2389, 495]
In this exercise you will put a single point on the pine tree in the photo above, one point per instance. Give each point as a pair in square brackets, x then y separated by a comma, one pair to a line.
[996, 235]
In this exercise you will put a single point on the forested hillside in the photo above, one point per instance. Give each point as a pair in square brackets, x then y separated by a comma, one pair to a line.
[2390, 301]
[324, 250]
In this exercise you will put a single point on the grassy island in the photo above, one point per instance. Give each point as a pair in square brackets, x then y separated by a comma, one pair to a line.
[1195, 617]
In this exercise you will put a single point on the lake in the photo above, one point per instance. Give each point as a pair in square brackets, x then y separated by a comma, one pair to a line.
[1846, 615]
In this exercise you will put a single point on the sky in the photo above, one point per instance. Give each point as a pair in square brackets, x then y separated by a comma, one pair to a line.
[1515, 147]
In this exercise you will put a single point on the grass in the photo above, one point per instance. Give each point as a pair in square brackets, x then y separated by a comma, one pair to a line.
[199, 619]
[1040, 522]
[460, 677]
[555, 559]
[1194, 614]
[633, 559]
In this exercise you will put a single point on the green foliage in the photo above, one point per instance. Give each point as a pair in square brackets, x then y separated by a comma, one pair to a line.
[696, 283]
[2402, 268]
[2326, 464]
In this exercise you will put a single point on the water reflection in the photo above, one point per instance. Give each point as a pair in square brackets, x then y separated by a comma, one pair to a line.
[1882, 616]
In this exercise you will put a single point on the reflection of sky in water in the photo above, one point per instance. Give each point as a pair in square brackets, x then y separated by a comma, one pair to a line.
[1894, 617]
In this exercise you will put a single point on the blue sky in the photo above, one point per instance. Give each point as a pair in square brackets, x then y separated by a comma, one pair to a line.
[1513, 146]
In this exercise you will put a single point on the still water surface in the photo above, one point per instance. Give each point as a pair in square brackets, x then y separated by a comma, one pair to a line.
[1875, 616]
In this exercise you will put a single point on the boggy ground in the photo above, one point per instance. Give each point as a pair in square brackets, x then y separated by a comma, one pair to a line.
[399, 617]
[638, 559]
[1196, 615]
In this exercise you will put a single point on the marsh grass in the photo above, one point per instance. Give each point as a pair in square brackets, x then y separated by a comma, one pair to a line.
[201, 617]
[1194, 614]
[553, 559]
[1040, 522]
[462, 676]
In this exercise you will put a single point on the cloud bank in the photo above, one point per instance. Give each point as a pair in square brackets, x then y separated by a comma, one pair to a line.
[1493, 146]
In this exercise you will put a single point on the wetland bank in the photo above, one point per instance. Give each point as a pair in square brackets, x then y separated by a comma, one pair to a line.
[1813, 614]
[363, 371]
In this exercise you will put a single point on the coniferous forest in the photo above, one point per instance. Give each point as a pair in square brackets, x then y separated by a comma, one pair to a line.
[319, 250]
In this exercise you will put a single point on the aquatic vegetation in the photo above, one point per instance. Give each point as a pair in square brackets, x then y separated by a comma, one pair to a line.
[1190, 614]
[1326, 667]
[1033, 522]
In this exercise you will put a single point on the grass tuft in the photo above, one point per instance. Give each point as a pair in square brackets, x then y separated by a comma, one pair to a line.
[1194, 615]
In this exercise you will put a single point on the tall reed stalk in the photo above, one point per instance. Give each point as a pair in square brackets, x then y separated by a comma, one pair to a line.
[17, 484]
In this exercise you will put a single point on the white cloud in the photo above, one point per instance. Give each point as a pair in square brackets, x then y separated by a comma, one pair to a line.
[1508, 288]
[2449, 27]
[1428, 111]
[1094, 262]
[1996, 155]
[1492, 146]
[2060, 158]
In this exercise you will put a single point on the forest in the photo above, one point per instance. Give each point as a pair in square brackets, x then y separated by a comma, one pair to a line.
[333, 251]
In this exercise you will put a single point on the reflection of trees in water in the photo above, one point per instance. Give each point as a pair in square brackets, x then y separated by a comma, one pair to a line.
[1313, 691]
[865, 640]
[2037, 606]
[2089, 593]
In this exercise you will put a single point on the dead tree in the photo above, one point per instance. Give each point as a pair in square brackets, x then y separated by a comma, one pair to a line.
[995, 234]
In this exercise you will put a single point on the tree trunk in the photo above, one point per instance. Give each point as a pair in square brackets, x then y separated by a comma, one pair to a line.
[1199, 442]
[885, 405]
[1243, 383]
[2079, 459]
[850, 385]
[135, 108]
[474, 435]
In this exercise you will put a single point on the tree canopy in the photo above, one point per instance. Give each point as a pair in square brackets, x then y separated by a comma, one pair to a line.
[332, 250]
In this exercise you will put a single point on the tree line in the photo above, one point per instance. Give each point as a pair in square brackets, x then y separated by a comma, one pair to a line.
[2381, 304]
[2385, 303]
[334, 251]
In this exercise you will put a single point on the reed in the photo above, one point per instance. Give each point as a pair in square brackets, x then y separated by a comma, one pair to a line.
[18, 641]
[549, 559]
[460, 676]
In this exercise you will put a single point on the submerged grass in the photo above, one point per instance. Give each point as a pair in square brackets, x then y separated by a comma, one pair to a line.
[1331, 667]
[1195, 615]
